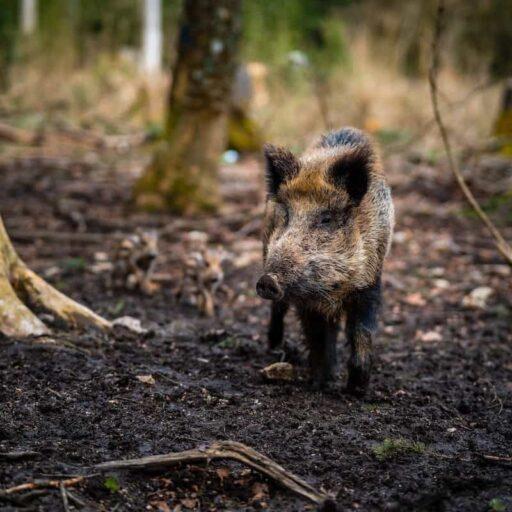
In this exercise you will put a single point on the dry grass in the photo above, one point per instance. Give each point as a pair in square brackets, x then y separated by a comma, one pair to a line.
[374, 95]
[370, 92]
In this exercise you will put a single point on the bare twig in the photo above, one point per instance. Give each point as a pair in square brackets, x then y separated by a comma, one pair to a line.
[225, 450]
[500, 243]
[27, 454]
[64, 495]
[42, 484]
[497, 458]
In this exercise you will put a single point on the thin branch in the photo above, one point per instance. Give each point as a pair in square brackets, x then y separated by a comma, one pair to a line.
[500, 243]
[42, 484]
[64, 496]
[227, 450]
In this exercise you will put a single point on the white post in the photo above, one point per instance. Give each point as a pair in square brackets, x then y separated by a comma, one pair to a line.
[152, 37]
[28, 16]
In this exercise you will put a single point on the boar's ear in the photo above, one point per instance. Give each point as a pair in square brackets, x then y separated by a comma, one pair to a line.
[351, 171]
[281, 166]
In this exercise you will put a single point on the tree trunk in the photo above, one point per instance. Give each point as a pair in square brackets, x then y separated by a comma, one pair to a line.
[19, 285]
[28, 16]
[183, 174]
[152, 37]
[503, 125]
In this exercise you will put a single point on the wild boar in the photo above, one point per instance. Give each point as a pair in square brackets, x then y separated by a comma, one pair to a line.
[328, 225]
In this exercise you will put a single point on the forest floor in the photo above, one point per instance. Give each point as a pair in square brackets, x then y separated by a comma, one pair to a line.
[440, 397]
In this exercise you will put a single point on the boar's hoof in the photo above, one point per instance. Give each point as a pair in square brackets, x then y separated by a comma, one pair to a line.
[359, 377]
[268, 287]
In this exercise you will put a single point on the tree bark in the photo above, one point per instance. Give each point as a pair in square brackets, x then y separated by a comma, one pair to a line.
[503, 125]
[20, 286]
[183, 174]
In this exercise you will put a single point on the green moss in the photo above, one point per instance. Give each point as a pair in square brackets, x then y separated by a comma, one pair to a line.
[390, 448]
[497, 505]
[173, 186]
[243, 134]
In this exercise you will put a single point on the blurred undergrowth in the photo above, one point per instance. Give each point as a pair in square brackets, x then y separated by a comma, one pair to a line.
[314, 64]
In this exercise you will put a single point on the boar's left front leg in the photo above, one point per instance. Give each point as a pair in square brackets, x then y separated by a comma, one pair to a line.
[362, 310]
[276, 327]
[321, 333]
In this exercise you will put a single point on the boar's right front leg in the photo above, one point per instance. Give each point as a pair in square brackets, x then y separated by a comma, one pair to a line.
[276, 327]
[321, 334]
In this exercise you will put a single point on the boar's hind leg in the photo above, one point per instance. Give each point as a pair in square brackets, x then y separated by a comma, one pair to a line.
[321, 334]
[276, 327]
[362, 310]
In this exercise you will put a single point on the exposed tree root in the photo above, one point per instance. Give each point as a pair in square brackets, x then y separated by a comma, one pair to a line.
[228, 450]
[21, 288]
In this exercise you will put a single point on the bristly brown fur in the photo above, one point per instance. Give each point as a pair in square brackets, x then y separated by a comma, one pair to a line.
[328, 224]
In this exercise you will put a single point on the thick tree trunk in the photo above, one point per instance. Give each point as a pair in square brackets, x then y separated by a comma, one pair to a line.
[183, 174]
[18, 284]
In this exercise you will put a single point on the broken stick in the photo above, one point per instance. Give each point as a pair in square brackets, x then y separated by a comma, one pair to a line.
[43, 484]
[228, 450]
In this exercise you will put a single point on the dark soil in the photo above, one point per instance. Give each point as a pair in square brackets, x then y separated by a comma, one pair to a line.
[443, 373]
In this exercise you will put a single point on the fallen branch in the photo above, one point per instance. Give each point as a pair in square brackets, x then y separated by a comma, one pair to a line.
[496, 458]
[19, 136]
[228, 450]
[29, 454]
[63, 236]
[501, 244]
[64, 496]
[43, 484]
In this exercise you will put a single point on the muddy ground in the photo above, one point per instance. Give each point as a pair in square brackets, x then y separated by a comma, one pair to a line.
[440, 395]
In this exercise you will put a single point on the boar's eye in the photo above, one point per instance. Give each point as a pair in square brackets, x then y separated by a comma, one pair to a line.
[326, 218]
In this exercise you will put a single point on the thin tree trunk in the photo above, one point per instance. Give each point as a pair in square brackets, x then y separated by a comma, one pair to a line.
[20, 286]
[28, 16]
[183, 174]
[152, 37]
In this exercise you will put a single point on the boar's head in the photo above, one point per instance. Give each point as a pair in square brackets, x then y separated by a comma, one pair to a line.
[318, 208]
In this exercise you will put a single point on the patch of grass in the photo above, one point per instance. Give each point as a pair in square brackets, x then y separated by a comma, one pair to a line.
[390, 448]
[117, 307]
[229, 342]
[493, 205]
[74, 264]
[111, 484]
[370, 407]
[497, 505]
[392, 136]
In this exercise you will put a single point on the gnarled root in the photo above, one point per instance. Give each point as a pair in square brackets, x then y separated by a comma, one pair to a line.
[18, 282]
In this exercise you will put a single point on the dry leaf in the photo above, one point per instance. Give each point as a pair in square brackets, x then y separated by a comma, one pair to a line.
[146, 379]
[161, 506]
[222, 473]
[278, 371]
[189, 503]
[478, 297]
[429, 336]
[415, 299]
[259, 491]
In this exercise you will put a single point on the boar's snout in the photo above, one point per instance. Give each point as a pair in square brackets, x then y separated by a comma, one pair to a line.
[269, 288]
